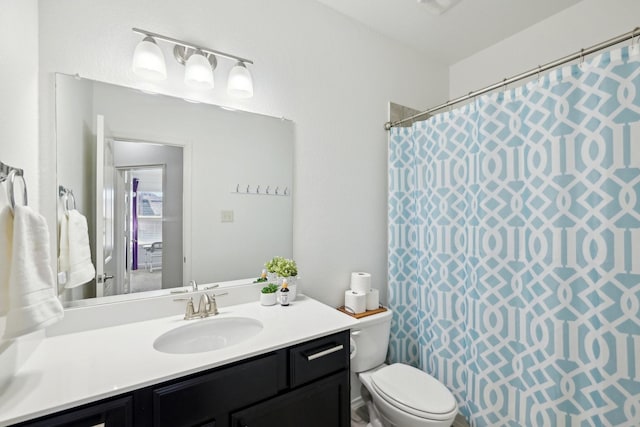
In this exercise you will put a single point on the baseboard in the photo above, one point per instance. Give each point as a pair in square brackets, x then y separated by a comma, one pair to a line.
[460, 421]
[357, 403]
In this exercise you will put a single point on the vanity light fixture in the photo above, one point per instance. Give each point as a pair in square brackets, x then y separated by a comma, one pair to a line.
[148, 60]
[199, 62]
[198, 70]
[240, 83]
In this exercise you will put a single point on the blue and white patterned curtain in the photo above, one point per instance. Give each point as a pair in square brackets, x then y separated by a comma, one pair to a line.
[514, 248]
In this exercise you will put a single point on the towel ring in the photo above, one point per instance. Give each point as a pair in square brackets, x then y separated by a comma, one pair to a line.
[12, 176]
[67, 197]
[73, 199]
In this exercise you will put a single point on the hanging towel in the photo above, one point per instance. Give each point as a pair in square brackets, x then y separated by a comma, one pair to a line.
[6, 243]
[75, 253]
[33, 303]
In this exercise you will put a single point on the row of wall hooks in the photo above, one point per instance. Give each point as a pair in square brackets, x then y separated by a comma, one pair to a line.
[9, 174]
[66, 195]
[261, 190]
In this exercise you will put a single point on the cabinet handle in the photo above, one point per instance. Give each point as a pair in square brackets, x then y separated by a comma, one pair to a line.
[324, 352]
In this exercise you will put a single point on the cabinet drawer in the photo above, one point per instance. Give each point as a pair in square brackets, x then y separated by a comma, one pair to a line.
[114, 413]
[319, 358]
[205, 399]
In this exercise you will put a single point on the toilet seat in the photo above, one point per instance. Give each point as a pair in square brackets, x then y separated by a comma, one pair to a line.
[414, 391]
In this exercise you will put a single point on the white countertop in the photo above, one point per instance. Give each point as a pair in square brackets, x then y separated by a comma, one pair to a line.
[73, 369]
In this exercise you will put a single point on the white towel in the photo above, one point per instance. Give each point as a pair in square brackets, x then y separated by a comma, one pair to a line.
[75, 253]
[33, 303]
[6, 243]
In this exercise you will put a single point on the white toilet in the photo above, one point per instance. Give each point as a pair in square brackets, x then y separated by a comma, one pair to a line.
[403, 396]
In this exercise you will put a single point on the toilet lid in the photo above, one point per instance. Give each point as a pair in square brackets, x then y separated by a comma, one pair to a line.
[414, 391]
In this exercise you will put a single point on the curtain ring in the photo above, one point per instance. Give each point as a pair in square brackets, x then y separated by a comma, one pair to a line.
[581, 57]
[635, 42]
[539, 68]
[12, 199]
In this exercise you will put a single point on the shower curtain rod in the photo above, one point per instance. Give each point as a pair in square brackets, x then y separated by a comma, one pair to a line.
[536, 71]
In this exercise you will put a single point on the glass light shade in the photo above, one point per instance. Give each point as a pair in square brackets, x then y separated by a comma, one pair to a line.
[240, 83]
[148, 60]
[198, 72]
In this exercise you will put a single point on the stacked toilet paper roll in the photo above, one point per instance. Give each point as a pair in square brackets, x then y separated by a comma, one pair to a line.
[360, 297]
[373, 299]
[355, 301]
[361, 282]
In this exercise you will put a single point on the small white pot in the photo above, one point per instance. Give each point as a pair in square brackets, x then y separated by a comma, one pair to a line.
[268, 299]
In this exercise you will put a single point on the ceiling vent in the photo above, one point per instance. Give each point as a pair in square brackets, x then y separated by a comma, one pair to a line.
[438, 7]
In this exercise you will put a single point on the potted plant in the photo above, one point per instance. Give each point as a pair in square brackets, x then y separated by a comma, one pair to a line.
[284, 268]
[268, 294]
[272, 266]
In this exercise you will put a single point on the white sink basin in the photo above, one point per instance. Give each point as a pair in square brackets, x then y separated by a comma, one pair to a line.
[207, 335]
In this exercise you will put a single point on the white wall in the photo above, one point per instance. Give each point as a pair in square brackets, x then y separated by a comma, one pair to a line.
[331, 76]
[583, 25]
[19, 91]
[18, 130]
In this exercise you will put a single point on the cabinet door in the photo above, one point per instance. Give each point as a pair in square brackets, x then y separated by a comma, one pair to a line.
[207, 400]
[323, 403]
[114, 413]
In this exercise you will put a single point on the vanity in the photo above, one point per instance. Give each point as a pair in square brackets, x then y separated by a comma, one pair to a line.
[294, 371]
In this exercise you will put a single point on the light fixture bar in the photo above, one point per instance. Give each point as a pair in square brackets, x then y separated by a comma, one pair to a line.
[191, 46]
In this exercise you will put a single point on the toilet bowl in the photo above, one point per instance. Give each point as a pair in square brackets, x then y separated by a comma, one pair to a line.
[408, 397]
[403, 396]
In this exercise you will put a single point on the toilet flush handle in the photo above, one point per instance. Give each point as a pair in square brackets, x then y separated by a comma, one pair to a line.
[356, 332]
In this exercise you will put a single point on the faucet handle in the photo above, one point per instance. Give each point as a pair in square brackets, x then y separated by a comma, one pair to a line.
[213, 309]
[190, 311]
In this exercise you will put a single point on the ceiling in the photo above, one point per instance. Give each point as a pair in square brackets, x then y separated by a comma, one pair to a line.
[465, 29]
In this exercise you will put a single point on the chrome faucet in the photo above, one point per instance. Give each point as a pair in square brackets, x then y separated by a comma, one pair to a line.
[206, 307]
[213, 305]
[195, 287]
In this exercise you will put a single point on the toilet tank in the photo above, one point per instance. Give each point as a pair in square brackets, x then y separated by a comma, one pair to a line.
[370, 341]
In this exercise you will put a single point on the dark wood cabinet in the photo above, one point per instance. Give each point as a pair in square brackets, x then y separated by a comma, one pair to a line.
[319, 404]
[108, 413]
[306, 384]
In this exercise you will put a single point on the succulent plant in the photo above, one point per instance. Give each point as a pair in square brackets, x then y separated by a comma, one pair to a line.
[269, 289]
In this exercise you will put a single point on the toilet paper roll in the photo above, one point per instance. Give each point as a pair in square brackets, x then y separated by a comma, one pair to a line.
[361, 282]
[355, 301]
[373, 299]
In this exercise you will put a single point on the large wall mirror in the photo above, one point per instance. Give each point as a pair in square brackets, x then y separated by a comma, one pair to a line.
[172, 191]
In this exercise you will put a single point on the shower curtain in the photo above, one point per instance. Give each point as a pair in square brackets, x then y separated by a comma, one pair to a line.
[514, 248]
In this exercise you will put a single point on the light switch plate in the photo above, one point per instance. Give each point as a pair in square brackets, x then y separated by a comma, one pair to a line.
[226, 216]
